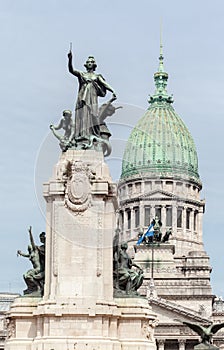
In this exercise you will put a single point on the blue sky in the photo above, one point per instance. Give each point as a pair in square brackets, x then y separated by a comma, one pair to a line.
[124, 38]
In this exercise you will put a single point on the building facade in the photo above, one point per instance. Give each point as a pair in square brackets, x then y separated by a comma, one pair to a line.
[160, 179]
[6, 300]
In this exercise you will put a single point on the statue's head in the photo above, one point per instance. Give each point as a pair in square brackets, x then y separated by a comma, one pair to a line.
[90, 63]
[42, 237]
[124, 245]
[67, 113]
[29, 248]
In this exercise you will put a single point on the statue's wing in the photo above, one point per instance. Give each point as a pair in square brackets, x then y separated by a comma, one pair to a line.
[216, 327]
[195, 327]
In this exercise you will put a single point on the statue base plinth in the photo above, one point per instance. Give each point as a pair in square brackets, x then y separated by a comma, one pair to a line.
[124, 324]
[78, 310]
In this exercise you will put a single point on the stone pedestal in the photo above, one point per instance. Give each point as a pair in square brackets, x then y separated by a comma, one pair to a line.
[123, 324]
[78, 310]
[135, 328]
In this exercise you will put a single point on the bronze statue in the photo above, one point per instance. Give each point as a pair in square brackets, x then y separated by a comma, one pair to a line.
[167, 235]
[91, 86]
[34, 277]
[126, 279]
[205, 333]
[89, 130]
[67, 125]
[157, 224]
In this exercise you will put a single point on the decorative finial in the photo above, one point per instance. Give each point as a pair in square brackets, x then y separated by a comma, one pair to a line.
[161, 67]
[160, 96]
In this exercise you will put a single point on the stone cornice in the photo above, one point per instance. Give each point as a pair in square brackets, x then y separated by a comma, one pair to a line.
[167, 196]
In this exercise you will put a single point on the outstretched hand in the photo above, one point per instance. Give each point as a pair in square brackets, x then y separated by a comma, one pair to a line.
[18, 252]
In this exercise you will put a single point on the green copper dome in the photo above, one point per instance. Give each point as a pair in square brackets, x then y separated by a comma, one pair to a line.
[160, 144]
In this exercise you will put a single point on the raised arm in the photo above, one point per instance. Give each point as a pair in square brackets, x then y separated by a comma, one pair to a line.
[70, 66]
[33, 245]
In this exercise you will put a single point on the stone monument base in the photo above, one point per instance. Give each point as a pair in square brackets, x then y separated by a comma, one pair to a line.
[78, 311]
[123, 324]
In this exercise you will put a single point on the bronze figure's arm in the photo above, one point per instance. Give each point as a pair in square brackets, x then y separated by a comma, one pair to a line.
[107, 86]
[33, 245]
[22, 254]
[70, 66]
[57, 127]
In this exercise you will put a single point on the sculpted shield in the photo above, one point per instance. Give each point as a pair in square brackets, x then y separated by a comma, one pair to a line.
[78, 190]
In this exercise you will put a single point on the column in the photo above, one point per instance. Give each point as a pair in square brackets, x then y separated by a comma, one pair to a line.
[132, 221]
[125, 221]
[199, 223]
[161, 344]
[163, 215]
[182, 343]
[174, 217]
[141, 214]
[152, 214]
[184, 215]
[192, 223]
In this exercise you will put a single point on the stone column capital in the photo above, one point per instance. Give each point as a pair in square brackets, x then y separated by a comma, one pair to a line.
[161, 344]
[182, 343]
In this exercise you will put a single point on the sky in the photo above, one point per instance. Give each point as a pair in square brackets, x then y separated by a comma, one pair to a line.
[124, 38]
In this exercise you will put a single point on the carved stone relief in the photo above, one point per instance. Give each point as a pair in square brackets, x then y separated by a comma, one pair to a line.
[78, 188]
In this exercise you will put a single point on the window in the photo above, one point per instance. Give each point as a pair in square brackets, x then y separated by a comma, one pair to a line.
[188, 215]
[195, 220]
[179, 217]
[129, 218]
[168, 216]
[158, 212]
[121, 220]
[147, 216]
[136, 210]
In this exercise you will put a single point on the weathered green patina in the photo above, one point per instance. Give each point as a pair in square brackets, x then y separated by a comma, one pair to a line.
[160, 143]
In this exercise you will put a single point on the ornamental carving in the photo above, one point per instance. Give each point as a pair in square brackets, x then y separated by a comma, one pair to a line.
[78, 189]
[11, 328]
[63, 170]
[148, 329]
